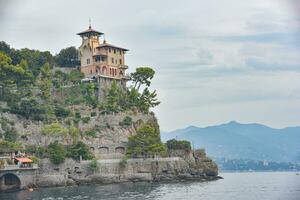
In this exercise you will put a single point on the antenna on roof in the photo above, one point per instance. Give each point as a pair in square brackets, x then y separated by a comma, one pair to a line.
[90, 26]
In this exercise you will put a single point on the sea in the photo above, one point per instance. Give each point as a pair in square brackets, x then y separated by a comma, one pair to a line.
[235, 185]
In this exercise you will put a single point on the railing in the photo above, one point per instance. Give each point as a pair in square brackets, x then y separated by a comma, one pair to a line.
[17, 167]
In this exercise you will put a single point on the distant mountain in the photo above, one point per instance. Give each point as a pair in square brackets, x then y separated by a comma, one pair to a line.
[243, 141]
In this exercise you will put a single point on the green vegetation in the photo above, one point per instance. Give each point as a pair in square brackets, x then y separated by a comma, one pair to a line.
[127, 121]
[61, 112]
[146, 143]
[131, 98]
[10, 133]
[123, 162]
[68, 57]
[179, 145]
[85, 119]
[94, 165]
[57, 153]
[91, 132]
[79, 149]
[6, 146]
[54, 129]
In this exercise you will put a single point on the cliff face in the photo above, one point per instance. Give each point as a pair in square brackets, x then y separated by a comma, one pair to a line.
[109, 132]
[109, 146]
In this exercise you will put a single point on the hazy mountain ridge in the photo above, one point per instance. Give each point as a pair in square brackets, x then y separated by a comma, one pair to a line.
[234, 140]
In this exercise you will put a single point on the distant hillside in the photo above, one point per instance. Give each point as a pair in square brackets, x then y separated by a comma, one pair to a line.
[243, 141]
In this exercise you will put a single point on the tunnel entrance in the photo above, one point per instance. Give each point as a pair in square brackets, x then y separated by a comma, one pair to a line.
[9, 182]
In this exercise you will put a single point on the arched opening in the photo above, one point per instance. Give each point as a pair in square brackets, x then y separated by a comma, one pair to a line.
[121, 73]
[104, 70]
[103, 150]
[120, 150]
[9, 182]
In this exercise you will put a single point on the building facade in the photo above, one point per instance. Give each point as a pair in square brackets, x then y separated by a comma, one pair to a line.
[101, 61]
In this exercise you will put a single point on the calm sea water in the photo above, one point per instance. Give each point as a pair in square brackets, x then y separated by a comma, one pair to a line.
[244, 186]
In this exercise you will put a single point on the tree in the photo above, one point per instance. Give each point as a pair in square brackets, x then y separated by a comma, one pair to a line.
[59, 79]
[75, 76]
[14, 75]
[11, 135]
[113, 98]
[178, 145]
[148, 100]
[29, 108]
[146, 143]
[79, 149]
[142, 75]
[57, 153]
[67, 57]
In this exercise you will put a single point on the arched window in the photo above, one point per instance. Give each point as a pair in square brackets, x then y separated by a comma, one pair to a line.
[104, 70]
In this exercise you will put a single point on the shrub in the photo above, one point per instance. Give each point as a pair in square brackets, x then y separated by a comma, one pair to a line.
[179, 145]
[61, 112]
[94, 165]
[11, 134]
[123, 162]
[93, 114]
[79, 149]
[54, 129]
[127, 121]
[91, 132]
[85, 119]
[57, 153]
[77, 115]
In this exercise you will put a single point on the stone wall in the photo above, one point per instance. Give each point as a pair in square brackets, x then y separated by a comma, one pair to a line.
[111, 171]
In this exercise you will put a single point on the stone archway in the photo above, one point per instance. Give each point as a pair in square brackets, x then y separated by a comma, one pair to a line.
[103, 150]
[9, 182]
[120, 150]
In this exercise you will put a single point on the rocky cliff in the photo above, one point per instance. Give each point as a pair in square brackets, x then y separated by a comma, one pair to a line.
[108, 144]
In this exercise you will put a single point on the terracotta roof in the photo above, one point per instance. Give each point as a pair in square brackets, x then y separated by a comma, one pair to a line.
[90, 30]
[110, 45]
[24, 160]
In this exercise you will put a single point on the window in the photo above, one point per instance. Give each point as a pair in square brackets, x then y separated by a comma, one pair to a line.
[109, 49]
[120, 52]
[112, 60]
[114, 51]
[120, 61]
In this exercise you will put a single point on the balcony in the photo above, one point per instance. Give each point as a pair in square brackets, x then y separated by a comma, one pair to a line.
[123, 66]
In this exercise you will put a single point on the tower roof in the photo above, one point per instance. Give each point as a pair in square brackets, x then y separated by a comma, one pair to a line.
[110, 45]
[89, 31]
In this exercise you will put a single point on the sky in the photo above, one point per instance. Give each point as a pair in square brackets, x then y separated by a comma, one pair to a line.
[215, 61]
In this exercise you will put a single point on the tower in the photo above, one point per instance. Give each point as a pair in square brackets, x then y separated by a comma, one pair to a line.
[101, 61]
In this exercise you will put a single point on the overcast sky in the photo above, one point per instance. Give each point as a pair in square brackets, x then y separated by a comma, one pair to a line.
[215, 61]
